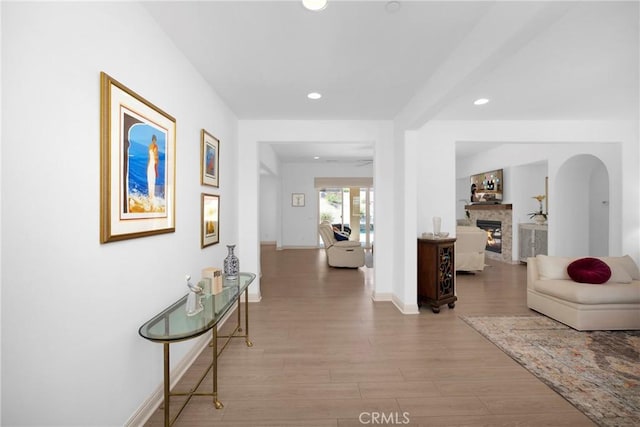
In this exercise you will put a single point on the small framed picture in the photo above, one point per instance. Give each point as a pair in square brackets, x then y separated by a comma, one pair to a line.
[210, 223]
[209, 159]
[297, 200]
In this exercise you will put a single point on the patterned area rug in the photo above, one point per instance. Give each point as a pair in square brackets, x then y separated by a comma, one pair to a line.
[598, 372]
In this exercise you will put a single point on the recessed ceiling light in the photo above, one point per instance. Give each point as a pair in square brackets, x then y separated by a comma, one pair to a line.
[480, 101]
[314, 95]
[316, 157]
[314, 5]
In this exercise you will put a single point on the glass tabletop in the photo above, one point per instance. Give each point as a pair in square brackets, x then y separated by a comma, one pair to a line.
[173, 324]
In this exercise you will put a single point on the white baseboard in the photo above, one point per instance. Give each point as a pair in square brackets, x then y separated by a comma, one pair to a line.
[405, 308]
[153, 402]
[381, 296]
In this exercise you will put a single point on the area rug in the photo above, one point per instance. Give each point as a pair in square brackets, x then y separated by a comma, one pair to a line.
[598, 372]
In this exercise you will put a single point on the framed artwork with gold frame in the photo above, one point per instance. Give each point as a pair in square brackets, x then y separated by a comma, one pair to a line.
[210, 220]
[137, 165]
[209, 159]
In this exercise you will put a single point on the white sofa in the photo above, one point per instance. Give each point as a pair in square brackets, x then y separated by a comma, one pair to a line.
[614, 305]
[343, 253]
[470, 246]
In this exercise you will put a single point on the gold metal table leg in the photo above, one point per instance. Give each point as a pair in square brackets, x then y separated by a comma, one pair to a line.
[239, 324]
[216, 402]
[246, 316]
[167, 420]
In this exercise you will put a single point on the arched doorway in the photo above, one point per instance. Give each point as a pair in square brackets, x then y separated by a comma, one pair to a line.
[580, 217]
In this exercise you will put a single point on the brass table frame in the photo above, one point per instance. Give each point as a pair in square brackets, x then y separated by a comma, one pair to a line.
[213, 367]
[216, 352]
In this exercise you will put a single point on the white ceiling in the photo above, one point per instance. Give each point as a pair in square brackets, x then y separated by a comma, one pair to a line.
[534, 60]
[357, 153]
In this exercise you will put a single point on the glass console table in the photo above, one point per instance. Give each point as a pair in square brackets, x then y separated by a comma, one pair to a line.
[173, 325]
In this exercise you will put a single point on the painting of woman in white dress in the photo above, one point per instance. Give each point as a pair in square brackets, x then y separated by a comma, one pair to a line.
[145, 171]
[152, 169]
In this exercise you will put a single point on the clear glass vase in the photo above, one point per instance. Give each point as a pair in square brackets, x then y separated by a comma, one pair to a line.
[437, 222]
[231, 264]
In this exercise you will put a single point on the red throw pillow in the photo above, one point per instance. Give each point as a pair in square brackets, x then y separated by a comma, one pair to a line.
[589, 270]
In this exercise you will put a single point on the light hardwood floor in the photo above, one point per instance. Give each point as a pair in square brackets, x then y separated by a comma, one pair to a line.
[325, 354]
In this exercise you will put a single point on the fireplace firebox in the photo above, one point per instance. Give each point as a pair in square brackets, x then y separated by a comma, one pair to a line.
[494, 234]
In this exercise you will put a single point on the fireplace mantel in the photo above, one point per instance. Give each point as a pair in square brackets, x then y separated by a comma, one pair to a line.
[495, 207]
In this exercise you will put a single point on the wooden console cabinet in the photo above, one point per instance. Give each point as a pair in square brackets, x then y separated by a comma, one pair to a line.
[436, 273]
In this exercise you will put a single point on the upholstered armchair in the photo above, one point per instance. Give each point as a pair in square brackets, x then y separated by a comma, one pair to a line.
[470, 245]
[343, 253]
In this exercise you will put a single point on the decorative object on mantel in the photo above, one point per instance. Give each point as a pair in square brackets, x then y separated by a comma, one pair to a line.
[231, 264]
[540, 217]
[194, 305]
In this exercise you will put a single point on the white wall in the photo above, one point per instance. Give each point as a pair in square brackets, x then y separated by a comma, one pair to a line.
[581, 233]
[523, 176]
[463, 195]
[1, 209]
[270, 219]
[527, 181]
[71, 307]
[406, 256]
[598, 211]
[301, 228]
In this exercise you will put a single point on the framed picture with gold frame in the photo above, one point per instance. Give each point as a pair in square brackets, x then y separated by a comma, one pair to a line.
[137, 165]
[209, 159]
[210, 220]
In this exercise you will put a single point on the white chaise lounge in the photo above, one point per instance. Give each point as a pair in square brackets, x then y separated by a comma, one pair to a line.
[613, 305]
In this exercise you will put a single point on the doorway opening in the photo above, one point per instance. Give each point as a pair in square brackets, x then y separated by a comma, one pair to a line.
[350, 210]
